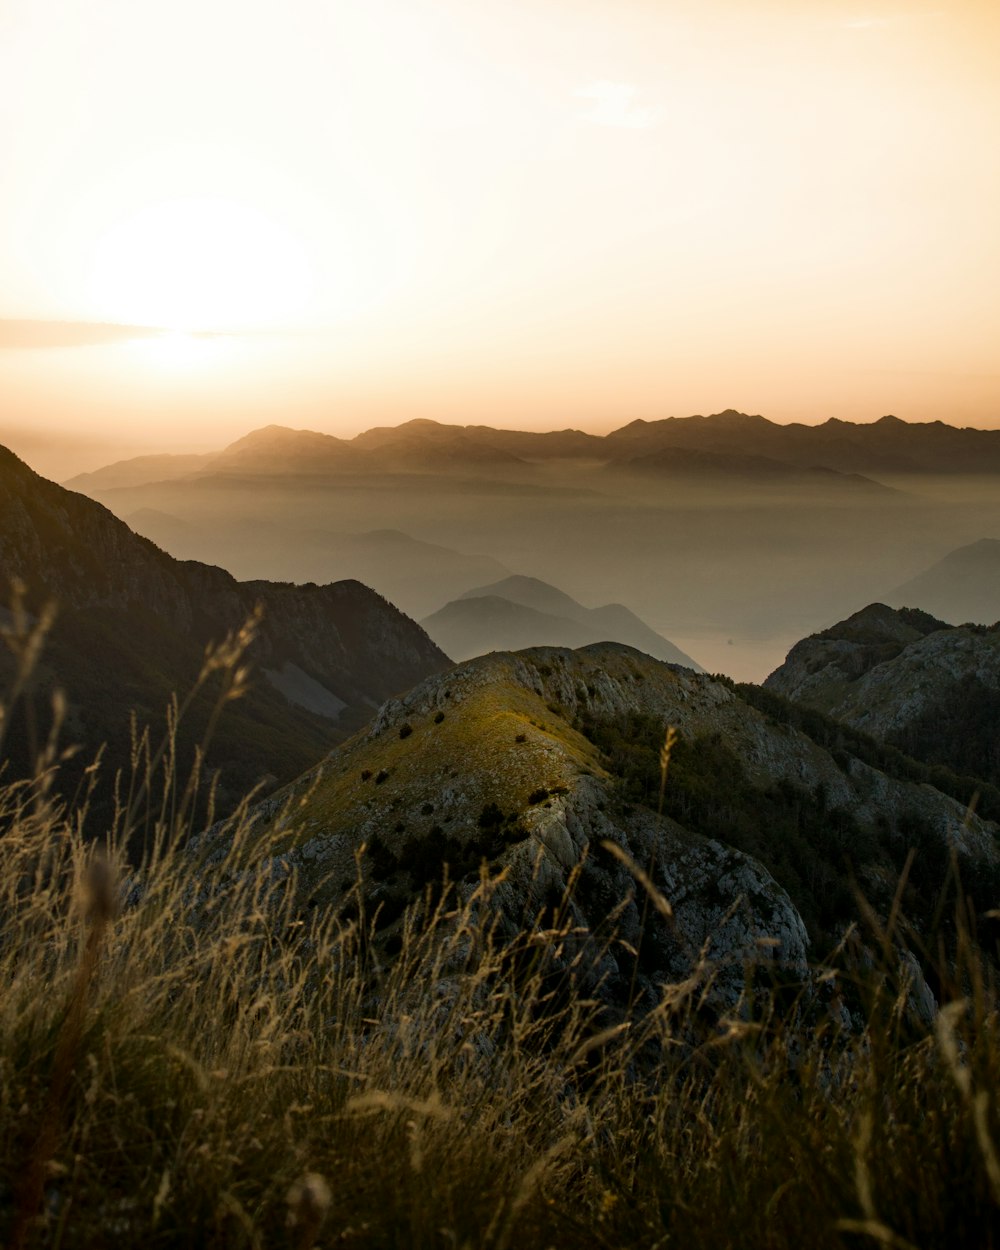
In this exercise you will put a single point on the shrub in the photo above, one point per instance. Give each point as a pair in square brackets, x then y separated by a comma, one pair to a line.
[490, 817]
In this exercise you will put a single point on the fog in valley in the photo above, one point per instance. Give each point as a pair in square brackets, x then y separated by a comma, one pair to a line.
[730, 557]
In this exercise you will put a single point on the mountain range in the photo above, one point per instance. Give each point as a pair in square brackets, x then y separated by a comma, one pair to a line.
[538, 762]
[547, 764]
[887, 446]
[729, 443]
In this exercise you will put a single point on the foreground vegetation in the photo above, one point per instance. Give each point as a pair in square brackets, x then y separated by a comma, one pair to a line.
[186, 1060]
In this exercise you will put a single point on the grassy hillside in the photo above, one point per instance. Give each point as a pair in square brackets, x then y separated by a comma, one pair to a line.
[190, 1057]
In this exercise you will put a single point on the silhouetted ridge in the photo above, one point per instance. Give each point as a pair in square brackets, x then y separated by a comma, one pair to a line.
[520, 611]
[133, 625]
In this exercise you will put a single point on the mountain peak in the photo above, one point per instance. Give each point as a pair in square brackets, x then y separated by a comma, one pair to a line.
[878, 623]
[734, 416]
[521, 611]
[279, 435]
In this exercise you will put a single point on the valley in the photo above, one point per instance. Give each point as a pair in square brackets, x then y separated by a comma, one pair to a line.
[729, 550]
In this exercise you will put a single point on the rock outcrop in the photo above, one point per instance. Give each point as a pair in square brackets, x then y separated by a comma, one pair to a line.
[907, 679]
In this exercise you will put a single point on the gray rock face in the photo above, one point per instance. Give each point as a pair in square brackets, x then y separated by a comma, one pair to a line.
[886, 670]
[820, 669]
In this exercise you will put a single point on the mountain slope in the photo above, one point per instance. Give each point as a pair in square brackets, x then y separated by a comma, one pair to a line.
[275, 450]
[422, 446]
[905, 678]
[133, 625]
[532, 592]
[469, 627]
[533, 761]
[550, 618]
[138, 471]
[963, 586]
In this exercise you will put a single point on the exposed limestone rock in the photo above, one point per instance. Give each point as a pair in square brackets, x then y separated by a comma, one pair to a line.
[893, 674]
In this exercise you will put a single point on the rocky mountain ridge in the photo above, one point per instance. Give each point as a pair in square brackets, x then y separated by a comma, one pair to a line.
[522, 761]
[908, 679]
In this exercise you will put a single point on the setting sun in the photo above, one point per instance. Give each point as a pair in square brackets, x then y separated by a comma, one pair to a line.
[176, 351]
[195, 264]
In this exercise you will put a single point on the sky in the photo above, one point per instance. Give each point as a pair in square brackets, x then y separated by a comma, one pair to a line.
[216, 214]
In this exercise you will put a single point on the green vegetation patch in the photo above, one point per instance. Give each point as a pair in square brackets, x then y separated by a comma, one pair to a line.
[813, 850]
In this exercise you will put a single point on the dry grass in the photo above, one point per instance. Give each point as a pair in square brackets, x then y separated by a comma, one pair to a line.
[187, 1061]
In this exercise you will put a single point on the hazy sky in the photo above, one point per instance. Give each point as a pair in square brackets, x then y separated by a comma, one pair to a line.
[526, 212]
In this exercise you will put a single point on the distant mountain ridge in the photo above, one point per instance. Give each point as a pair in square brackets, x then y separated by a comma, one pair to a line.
[413, 575]
[133, 625]
[962, 586]
[889, 446]
[519, 612]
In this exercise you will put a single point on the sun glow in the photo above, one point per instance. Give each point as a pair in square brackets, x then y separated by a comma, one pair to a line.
[175, 351]
[199, 264]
